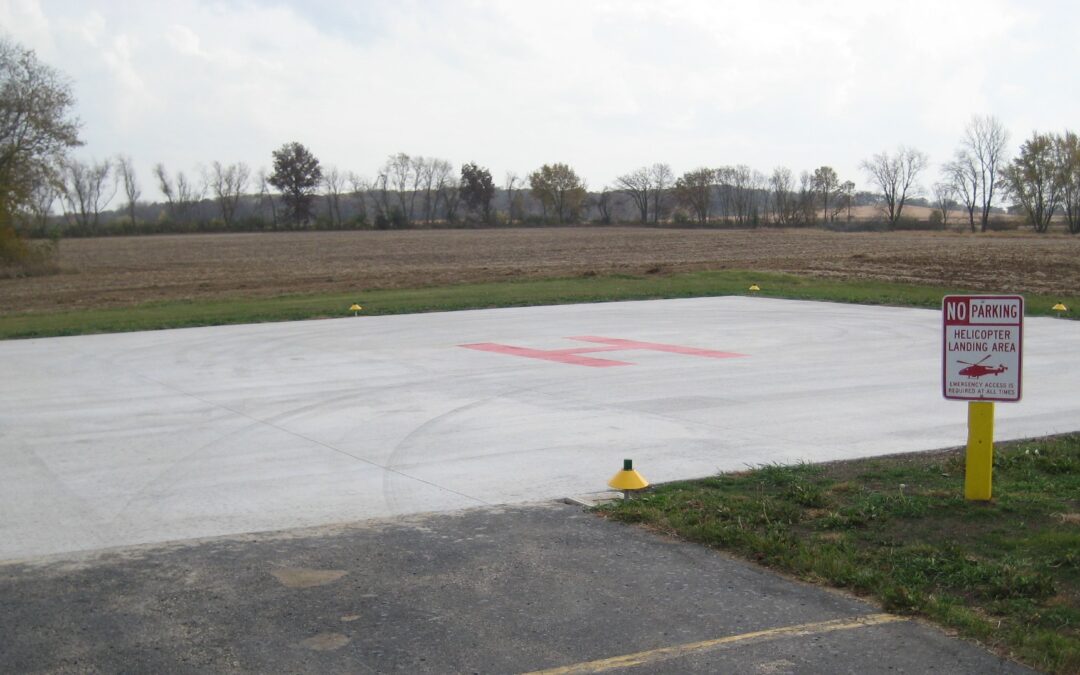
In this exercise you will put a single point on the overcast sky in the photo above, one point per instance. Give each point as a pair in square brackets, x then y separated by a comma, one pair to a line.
[605, 86]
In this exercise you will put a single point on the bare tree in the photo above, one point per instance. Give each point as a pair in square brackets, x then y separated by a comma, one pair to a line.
[398, 170]
[85, 190]
[418, 168]
[638, 186]
[126, 171]
[782, 186]
[985, 138]
[662, 179]
[359, 187]
[180, 194]
[406, 177]
[381, 193]
[334, 182]
[165, 183]
[39, 205]
[446, 189]
[602, 202]
[759, 197]
[266, 197]
[962, 174]
[228, 184]
[895, 176]
[847, 197]
[943, 199]
[725, 182]
[1068, 157]
[427, 181]
[739, 189]
[511, 182]
[806, 211]
[187, 191]
[746, 194]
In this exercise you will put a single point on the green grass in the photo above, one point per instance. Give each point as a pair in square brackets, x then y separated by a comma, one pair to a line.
[897, 529]
[179, 314]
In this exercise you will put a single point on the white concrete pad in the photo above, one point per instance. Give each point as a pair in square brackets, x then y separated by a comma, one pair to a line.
[146, 437]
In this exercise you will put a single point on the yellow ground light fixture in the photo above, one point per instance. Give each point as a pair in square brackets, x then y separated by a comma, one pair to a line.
[628, 480]
[754, 288]
[1059, 308]
[355, 309]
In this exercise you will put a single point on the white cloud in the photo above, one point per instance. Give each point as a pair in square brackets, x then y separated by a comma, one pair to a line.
[184, 41]
[605, 86]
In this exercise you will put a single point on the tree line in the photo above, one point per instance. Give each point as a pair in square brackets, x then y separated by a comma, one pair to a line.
[37, 131]
[299, 192]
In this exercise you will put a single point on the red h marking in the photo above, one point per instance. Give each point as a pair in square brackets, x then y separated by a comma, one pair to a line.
[573, 356]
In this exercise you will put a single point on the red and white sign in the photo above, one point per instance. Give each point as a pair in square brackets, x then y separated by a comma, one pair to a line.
[982, 348]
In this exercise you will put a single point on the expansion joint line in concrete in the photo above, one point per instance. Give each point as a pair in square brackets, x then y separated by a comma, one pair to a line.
[315, 441]
[690, 648]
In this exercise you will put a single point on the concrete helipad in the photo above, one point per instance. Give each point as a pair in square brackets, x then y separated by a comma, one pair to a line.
[148, 437]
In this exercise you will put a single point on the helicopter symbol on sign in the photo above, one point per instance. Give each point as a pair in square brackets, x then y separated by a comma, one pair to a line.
[977, 370]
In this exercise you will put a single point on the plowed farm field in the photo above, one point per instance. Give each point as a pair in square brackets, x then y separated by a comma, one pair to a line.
[123, 271]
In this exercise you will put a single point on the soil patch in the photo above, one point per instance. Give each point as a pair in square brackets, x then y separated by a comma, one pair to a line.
[124, 271]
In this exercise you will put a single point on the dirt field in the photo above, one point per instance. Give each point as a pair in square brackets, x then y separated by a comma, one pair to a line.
[123, 271]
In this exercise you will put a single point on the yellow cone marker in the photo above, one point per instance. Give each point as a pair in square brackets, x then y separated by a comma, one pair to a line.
[628, 479]
[754, 288]
[355, 309]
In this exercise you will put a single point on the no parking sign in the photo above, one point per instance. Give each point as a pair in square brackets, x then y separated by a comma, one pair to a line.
[982, 356]
[982, 347]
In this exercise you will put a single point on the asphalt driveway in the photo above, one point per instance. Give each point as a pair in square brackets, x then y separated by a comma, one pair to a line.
[488, 590]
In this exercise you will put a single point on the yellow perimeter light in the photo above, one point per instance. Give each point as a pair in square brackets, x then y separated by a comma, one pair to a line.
[628, 478]
[1060, 308]
[755, 288]
[355, 308]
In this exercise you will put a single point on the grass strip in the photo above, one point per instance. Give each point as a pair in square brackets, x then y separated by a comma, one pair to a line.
[897, 529]
[186, 313]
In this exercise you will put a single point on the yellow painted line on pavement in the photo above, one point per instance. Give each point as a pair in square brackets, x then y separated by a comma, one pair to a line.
[677, 651]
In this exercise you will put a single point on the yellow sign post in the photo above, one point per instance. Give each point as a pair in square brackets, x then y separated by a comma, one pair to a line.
[982, 359]
[980, 451]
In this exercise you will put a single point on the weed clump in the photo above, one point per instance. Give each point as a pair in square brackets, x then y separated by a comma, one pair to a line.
[22, 258]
